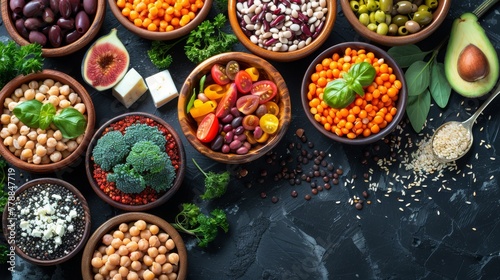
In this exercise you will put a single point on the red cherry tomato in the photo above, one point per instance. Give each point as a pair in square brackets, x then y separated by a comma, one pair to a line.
[247, 104]
[265, 89]
[232, 68]
[227, 101]
[243, 81]
[219, 74]
[208, 128]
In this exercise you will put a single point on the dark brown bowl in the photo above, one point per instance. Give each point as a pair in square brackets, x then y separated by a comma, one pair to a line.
[189, 125]
[113, 223]
[289, 55]
[89, 165]
[439, 15]
[6, 221]
[86, 38]
[379, 53]
[156, 35]
[7, 91]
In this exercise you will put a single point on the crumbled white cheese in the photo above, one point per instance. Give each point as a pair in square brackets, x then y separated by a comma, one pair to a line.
[162, 88]
[56, 196]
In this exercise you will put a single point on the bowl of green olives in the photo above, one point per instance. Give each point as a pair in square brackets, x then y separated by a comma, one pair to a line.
[406, 22]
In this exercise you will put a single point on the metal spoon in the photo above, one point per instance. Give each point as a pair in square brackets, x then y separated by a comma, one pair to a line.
[467, 124]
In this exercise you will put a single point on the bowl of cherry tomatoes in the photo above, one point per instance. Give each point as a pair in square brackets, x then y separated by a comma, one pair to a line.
[234, 107]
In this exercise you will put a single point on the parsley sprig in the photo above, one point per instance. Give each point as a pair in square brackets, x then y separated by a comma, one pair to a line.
[215, 183]
[16, 60]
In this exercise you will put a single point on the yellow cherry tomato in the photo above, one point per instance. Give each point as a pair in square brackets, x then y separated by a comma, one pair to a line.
[272, 108]
[269, 123]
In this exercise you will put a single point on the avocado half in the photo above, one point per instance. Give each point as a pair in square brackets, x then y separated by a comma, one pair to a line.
[466, 32]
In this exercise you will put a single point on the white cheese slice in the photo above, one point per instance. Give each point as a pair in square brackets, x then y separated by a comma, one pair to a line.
[162, 88]
[130, 88]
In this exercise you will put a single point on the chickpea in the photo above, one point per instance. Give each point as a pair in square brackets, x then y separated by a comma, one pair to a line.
[161, 259]
[163, 277]
[40, 96]
[17, 152]
[50, 151]
[54, 91]
[8, 141]
[154, 229]
[96, 262]
[57, 135]
[48, 82]
[117, 276]
[56, 156]
[135, 238]
[162, 249]
[125, 261]
[167, 268]
[24, 130]
[103, 271]
[64, 104]
[79, 139]
[45, 159]
[50, 133]
[5, 118]
[73, 98]
[54, 100]
[58, 84]
[18, 92]
[114, 259]
[173, 258]
[118, 234]
[106, 239]
[97, 254]
[123, 227]
[145, 234]
[163, 237]
[110, 250]
[132, 276]
[30, 144]
[126, 234]
[12, 128]
[51, 142]
[33, 84]
[12, 105]
[170, 244]
[153, 252]
[24, 87]
[123, 251]
[26, 154]
[132, 246]
[154, 241]
[41, 151]
[4, 133]
[65, 90]
[116, 243]
[125, 240]
[102, 249]
[109, 267]
[123, 271]
[104, 259]
[136, 255]
[172, 276]
[7, 101]
[98, 276]
[136, 265]
[140, 224]
[147, 260]
[143, 245]
[32, 135]
[61, 146]
[148, 275]
[20, 141]
[37, 159]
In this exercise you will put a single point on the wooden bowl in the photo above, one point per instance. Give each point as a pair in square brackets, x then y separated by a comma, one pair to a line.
[280, 55]
[165, 196]
[8, 90]
[439, 15]
[95, 26]
[112, 224]
[189, 125]
[8, 220]
[379, 53]
[156, 35]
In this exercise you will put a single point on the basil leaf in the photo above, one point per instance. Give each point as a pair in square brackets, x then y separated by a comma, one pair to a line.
[47, 113]
[358, 88]
[418, 109]
[362, 72]
[407, 55]
[337, 94]
[70, 122]
[440, 87]
[28, 112]
[417, 77]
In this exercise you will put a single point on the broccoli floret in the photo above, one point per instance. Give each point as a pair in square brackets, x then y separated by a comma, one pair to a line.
[145, 156]
[110, 150]
[127, 179]
[162, 180]
[141, 132]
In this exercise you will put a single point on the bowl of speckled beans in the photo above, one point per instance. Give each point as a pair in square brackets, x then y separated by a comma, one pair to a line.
[48, 222]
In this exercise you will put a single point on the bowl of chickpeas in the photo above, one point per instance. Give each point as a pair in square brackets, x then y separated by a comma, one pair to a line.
[135, 245]
[395, 23]
[160, 20]
[59, 119]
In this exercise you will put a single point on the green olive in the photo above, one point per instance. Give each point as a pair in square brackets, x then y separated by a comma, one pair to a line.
[388, 19]
[423, 18]
[372, 17]
[414, 8]
[399, 20]
[418, 2]
[431, 3]
[364, 19]
[354, 5]
[372, 27]
[403, 7]
[412, 26]
[379, 16]
[402, 31]
[363, 9]
[382, 28]
[386, 6]
[393, 29]
[424, 8]
[372, 5]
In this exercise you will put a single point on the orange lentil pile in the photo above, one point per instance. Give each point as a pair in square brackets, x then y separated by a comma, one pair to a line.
[366, 115]
[160, 15]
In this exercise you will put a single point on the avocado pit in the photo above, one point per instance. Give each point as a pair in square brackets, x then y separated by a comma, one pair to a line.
[472, 64]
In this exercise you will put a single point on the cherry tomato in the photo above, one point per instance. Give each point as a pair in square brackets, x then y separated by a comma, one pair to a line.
[243, 81]
[227, 101]
[232, 68]
[265, 89]
[219, 74]
[272, 108]
[247, 104]
[250, 122]
[208, 128]
[269, 123]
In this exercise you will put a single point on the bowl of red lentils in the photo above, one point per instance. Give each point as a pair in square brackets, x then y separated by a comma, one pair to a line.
[160, 20]
[39, 148]
[282, 30]
[350, 117]
[48, 222]
[135, 161]
[135, 245]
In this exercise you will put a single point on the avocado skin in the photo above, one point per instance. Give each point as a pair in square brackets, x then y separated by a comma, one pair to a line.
[464, 31]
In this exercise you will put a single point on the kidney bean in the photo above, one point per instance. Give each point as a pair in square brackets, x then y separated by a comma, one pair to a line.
[66, 23]
[37, 37]
[54, 6]
[33, 8]
[247, 145]
[33, 23]
[236, 122]
[90, 6]
[72, 36]
[239, 130]
[242, 150]
[21, 28]
[225, 149]
[55, 36]
[65, 8]
[258, 132]
[227, 128]
[228, 137]
[278, 20]
[82, 22]
[217, 143]
[227, 119]
[16, 5]
[16, 16]
[235, 144]
[75, 6]
[235, 112]
[48, 15]
[241, 137]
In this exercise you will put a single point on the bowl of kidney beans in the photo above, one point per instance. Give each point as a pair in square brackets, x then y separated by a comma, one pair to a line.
[234, 107]
[62, 27]
[282, 30]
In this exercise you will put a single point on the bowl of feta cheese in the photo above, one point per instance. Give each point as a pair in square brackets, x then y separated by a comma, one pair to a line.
[47, 222]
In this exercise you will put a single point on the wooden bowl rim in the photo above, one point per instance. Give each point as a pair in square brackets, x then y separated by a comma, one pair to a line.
[439, 16]
[161, 36]
[202, 69]
[86, 99]
[401, 103]
[114, 222]
[163, 198]
[94, 28]
[284, 56]
[81, 198]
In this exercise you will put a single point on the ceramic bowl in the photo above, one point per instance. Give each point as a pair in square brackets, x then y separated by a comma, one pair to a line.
[76, 238]
[163, 197]
[113, 224]
[439, 15]
[77, 42]
[8, 90]
[267, 72]
[142, 32]
[283, 56]
[400, 102]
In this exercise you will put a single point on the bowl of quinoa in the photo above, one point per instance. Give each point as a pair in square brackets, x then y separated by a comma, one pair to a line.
[135, 161]
[48, 222]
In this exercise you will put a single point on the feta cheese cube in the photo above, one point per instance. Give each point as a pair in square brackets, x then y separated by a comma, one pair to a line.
[130, 88]
[36, 232]
[162, 88]
[59, 230]
[24, 224]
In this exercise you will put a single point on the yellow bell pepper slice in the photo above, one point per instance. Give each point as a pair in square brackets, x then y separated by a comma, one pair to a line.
[254, 73]
[215, 91]
[201, 108]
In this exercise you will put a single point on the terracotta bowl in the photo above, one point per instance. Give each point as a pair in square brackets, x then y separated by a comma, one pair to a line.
[400, 103]
[267, 72]
[83, 233]
[112, 224]
[57, 76]
[164, 196]
[201, 14]
[282, 56]
[96, 22]
[439, 15]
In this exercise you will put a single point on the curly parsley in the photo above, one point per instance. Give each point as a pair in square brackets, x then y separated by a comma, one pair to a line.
[16, 60]
[215, 183]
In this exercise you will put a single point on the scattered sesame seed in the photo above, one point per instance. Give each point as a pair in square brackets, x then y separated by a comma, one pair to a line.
[439, 213]
[358, 217]
[474, 229]
[468, 202]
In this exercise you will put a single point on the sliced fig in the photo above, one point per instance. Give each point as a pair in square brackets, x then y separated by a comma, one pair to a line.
[105, 62]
